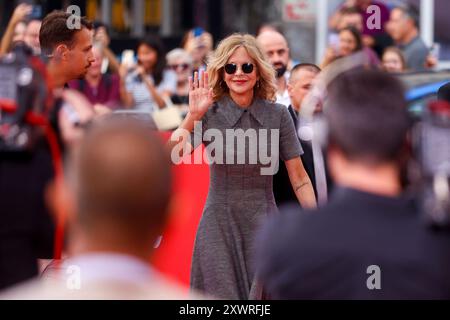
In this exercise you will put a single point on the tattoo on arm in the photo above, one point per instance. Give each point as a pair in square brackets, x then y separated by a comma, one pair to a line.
[301, 186]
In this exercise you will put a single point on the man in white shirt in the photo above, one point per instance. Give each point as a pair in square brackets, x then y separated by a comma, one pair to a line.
[276, 48]
[115, 200]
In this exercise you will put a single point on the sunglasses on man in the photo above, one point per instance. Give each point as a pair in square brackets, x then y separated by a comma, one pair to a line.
[181, 66]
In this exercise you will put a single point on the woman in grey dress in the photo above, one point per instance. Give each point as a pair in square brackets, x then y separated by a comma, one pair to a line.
[232, 109]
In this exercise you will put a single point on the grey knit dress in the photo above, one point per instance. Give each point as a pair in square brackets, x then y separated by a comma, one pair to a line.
[240, 196]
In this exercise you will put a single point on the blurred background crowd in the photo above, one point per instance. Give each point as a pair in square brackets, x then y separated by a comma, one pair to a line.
[156, 38]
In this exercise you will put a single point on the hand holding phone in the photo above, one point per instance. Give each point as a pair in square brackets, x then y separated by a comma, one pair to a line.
[198, 32]
[127, 58]
[21, 12]
[435, 51]
[36, 12]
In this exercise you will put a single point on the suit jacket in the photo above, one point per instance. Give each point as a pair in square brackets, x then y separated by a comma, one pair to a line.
[359, 246]
[282, 188]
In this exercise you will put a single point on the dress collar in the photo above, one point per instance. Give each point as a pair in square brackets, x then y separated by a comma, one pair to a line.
[232, 112]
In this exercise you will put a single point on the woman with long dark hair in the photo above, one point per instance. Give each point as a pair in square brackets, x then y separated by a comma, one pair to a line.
[149, 84]
[350, 42]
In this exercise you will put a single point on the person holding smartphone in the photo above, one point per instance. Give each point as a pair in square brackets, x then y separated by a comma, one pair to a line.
[198, 43]
[102, 39]
[17, 21]
[148, 83]
[32, 35]
[350, 42]
[24, 25]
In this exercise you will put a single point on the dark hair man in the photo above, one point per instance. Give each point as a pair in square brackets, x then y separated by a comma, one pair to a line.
[300, 82]
[67, 42]
[26, 230]
[69, 50]
[368, 242]
[403, 27]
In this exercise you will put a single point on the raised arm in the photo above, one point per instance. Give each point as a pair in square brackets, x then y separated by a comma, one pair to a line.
[19, 14]
[125, 96]
[200, 99]
[102, 37]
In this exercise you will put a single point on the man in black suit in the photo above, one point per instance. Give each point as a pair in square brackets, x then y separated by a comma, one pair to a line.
[299, 85]
[369, 241]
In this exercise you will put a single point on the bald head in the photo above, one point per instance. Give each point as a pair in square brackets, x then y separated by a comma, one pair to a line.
[301, 82]
[275, 47]
[269, 36]
[121, 179]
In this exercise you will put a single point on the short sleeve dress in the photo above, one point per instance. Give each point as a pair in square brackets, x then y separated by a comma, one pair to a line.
[240, 193]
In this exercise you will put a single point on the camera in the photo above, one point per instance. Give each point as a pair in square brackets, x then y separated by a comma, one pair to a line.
[24, 99]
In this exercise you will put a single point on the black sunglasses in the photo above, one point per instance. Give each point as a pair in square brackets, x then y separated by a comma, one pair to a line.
[231, 68]
[182, 66]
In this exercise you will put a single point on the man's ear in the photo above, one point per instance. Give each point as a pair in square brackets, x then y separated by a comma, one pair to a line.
[61, 52]
[289, 88]
[336, 161]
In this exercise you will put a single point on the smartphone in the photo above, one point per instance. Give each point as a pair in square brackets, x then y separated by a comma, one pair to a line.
[36, 12]
[333, 42]
[127, 58]
[435, 50]
[198, 32]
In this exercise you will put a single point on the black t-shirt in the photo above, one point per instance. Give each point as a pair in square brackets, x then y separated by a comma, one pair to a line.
[328, 254]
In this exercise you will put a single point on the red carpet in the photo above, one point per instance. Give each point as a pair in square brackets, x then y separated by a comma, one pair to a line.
[173, 256]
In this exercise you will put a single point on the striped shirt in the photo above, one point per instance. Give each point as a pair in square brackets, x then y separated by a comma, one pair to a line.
[143, 99]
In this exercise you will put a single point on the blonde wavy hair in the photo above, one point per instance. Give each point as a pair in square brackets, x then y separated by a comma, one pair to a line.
[266, 86]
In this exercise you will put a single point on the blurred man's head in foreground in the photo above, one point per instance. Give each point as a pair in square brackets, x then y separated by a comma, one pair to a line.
[367, 118]
[118, 188]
